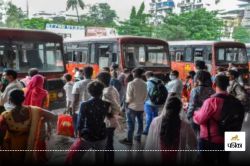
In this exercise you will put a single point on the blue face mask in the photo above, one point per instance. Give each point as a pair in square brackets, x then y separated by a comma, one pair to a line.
[172, 77]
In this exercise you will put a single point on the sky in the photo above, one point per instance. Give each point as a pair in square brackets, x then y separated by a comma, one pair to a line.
[122, 7]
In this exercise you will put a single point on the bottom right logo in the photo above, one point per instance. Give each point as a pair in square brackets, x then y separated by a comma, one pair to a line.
[235, 141]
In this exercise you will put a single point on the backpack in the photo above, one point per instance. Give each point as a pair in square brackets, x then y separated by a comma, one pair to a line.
[159, 93]
[232, 114]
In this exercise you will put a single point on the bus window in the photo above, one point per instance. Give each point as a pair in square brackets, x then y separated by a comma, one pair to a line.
[188, 55]
[8, 56]
[104, 55]
[92, 55]
[248, 53]
[198, 54]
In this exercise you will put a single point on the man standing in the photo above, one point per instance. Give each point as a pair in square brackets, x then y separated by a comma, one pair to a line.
[175, 86]
[135, 97]
[80, 92]
[11, 77]
[221, 112]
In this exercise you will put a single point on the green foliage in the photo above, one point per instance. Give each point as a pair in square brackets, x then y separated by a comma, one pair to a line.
[100, 15]
[241, 34]
[15, 16]
[74, 4]
[200, 25]
[35, 23]
[138, 23]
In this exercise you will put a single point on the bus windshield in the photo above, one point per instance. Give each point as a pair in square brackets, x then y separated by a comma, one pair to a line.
[231, 55]
[145, 55]
[21, 56]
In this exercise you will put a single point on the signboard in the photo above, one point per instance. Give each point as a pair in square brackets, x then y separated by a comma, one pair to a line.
[67, 31]
[100, 31]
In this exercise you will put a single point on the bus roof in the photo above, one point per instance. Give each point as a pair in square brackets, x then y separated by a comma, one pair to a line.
[203, 42]
[124, 39]
[28, 35]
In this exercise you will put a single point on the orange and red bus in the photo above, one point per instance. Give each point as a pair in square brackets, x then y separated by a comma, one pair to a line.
[24, 49]
[126, 51]
[214, 53]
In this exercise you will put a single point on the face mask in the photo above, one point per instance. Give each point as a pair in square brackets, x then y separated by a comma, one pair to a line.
[172, 77]
[231, 82]
[4, 81]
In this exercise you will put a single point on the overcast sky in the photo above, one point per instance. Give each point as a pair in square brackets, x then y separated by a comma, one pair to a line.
[122, 7]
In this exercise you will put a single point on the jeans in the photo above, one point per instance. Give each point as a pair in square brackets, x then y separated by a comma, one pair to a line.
[131, 115]
[74, 156]
[75, 120]
[109, 155]
[151, 113]
[212, 157]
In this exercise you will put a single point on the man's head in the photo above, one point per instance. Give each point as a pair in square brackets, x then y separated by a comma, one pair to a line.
[138, 72]
[33, 71]
[104, 77]
[95, 89]
[67, 77]
[10, 75]
[191, 74]
[88, 72]
[106, 69]
[200, 65]
[232, 75]
[173, 75]
[149, 74]
[221, 82]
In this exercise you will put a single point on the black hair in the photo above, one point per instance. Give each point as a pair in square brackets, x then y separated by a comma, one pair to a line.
[200, 65]
[95, 88]
[222, 82]
[234, 73]
[88, 71]
[104, 77]
[33, 71]
[171, 122]
[191, 74]
[114, 74]
[107, 69]
[126, 70]
[17, 97]
[149, 74]
[220, 69]
[67, 77]
[10, 72]
[138, 72]
[175, 72]
[203, 77]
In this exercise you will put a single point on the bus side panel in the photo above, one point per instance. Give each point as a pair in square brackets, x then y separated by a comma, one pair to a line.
[183, 68]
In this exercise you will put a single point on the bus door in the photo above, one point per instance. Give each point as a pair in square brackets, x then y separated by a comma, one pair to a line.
[203, 53]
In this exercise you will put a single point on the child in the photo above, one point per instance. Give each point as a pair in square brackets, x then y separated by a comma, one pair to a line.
[68, 90]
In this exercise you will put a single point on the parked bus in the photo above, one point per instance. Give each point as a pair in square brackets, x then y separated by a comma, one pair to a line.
[24, 49]
[215, 54]
[248, 54]
[126, 51]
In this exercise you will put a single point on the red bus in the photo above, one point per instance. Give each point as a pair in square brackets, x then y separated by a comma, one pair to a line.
[214, 53]
[24, 49]
[127, 51]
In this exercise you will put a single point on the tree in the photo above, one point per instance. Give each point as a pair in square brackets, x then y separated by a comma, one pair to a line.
[201, 24]
[241, 34]
[35, 23]
[100, 15]
[15, 16]
[138, 23]
[73, 4]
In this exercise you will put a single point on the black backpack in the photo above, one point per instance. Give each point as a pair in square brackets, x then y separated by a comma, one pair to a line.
[232, 114]
[159, 93]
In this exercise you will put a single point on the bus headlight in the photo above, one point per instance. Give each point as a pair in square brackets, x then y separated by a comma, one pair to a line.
[60, 94]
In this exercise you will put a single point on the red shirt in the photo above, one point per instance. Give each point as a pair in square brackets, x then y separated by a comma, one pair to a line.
[210, 111]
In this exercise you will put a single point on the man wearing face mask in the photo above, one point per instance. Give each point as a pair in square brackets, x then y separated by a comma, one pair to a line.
[11, 76]
[175, 84]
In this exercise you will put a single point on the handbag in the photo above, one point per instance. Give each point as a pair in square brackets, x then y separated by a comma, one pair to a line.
[65, 125]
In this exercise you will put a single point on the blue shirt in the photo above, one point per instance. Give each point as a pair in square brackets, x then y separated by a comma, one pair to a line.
[150, 87]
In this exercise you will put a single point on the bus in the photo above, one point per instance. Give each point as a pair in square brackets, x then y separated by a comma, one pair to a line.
[248, 53]
[24, 49]
[214, 53]
[126, 51]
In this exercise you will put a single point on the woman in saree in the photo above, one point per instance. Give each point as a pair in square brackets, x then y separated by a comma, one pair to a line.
[168, 133]
[35, 94]
[22, 128]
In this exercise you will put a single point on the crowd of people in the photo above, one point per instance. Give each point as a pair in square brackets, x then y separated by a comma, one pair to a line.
[179, 115]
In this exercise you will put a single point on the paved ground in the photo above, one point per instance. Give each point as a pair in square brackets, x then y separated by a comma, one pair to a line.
[63, 143]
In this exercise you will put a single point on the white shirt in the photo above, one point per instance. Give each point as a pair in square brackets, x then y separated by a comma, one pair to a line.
[175, 86]
[4, 97]
[80, 88]
[68, 90]
[136, 94]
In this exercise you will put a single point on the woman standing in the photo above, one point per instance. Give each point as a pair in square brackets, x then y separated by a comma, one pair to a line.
[22, 130]
[169, 132]
[35, 94]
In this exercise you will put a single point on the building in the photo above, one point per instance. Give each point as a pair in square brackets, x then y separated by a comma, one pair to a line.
[246, 7]
[51, 16]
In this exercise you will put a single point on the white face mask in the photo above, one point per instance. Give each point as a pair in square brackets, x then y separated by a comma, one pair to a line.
[172, 77]
[231, 82]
